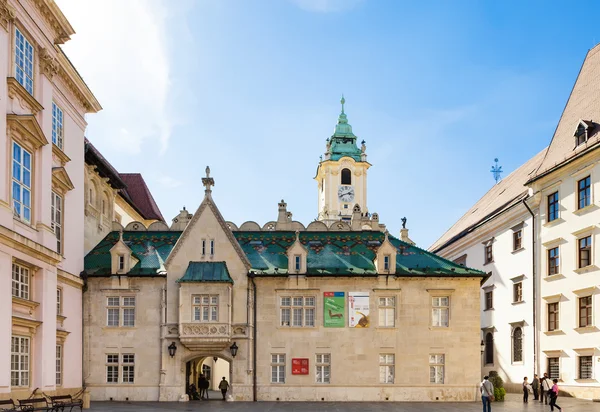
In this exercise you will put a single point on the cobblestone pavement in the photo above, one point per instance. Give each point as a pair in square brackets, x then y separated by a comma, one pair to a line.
[512, 404]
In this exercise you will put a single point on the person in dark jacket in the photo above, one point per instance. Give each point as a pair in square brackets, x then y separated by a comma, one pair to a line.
[203, 385]
[525, 390]
[535, 387]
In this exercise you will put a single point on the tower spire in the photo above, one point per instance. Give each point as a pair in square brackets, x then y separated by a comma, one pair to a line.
[343, 101]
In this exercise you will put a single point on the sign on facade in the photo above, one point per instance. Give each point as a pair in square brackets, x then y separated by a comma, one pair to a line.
[333, 307]
[299, 366]
[358, 309]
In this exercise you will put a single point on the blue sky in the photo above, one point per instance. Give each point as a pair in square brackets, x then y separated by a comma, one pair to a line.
[252, 88]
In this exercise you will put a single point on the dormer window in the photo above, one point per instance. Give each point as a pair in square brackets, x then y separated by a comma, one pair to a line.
[386, 262]
[297, 263]
[346, 177]
[581, 135]
[121, 264]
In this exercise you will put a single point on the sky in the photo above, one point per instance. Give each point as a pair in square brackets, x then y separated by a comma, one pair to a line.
[252, 88]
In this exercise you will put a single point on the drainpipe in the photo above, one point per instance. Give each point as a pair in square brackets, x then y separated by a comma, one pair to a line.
[534, 280]
[254, 334]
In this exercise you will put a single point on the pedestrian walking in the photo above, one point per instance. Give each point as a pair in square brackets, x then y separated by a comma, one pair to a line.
[203, 385]
[535, 386]
[525, 390]
[224, 385]
[545, 389]
[554, 395]
[487, 394]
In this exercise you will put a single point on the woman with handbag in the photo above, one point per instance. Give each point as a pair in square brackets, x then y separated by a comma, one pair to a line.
[487, 394]
[554, 395]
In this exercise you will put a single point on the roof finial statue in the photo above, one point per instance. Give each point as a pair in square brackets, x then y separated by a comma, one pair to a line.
[343, 101]
[496, 170]
[208, 182]
[403, 223]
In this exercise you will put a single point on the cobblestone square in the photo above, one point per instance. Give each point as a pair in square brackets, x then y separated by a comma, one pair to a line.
[513, 403]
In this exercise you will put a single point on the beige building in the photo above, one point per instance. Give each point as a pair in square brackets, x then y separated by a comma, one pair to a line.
[41, 181]
[557, 265]
[335, 311]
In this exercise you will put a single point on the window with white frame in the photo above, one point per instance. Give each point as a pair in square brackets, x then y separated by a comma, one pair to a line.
[59, 364]
[205, 308]
[387, 311]
[56, 220]
[23, 61]
[297, 263]
[20, 281]
[128, 368]
[440, 311]
[59, 300]
[586, 367]
[278, 368]
[297, 311]
[19, 361]
[436, 368]
[517, 292]
[386, 262]
[120, 307]
[386, 368]
[21, 183]
[112, 368]
[121, 262]
[323, 368]
[57, 126]
[554, 368]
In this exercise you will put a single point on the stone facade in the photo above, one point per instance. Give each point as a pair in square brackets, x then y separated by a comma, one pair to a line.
[41, 181]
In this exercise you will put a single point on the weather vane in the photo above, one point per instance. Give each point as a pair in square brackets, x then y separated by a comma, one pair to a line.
[496, 170]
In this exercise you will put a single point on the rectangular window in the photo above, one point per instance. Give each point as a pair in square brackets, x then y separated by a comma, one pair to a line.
[59, 356]
[323, 368]
[585, 251]
[553, 316]
[387, 312]
[440, 313]
[585, 367]
[553, 261]
[518, 292]
[297, 311]
[112, 311]
[112, 368]
[489, 300]
[386, 262]
[553, 207]
[58, 301]
[128, 368]
[206, 308]
[554, 368]
[56, 220]
[489, 255]
[57, 126]
[212, 247]
[278, 368]
[23, 61]
[21, 183]
[121, 262]
[129, 311]
[203, 247]
[517, 237]
[297, 263]
[584, 193]
[20, 281]
[386, 368]
[436, 368]
[19, 361]
[585, 311]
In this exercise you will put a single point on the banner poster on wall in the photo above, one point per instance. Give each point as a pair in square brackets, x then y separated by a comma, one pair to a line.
[358, 309]
[333, 307]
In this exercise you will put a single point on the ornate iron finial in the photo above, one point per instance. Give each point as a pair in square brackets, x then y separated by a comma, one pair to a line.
[208, 181]
[403, 223]
[496, 171]
[343, 101]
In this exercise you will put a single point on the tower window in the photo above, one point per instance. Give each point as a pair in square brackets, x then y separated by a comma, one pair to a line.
[346, 177]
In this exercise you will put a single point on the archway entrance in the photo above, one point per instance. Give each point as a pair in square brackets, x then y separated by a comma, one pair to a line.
[207, 370]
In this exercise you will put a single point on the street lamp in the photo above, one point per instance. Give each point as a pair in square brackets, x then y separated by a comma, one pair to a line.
[215, 359]
[172, 349]
[482, 347]
[233, 348]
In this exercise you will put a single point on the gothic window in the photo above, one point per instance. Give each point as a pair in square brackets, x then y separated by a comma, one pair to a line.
[517, 344]
[346, 177]
[489, 348]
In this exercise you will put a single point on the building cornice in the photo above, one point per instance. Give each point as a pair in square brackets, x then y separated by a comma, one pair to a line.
[76, 85]
[55, 19]
[29, 247]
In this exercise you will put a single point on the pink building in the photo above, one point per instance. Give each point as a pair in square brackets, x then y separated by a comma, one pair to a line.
[41, 202]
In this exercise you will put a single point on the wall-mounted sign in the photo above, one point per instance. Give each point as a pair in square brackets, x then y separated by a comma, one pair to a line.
[333, 309]
[299, 366]
[358, 309]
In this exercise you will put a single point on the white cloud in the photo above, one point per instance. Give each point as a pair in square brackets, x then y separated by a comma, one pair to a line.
[169, 182]
[327, 6]
[120, 50]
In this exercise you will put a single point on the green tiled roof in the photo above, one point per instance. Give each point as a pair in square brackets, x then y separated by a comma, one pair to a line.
[329, 253]
[206, 272]
[150, 248]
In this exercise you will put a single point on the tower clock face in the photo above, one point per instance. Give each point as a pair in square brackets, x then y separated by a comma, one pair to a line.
[346, 194]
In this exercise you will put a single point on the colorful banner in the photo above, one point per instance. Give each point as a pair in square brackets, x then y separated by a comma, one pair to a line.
[299, 366]
[333, 307]
[358, 309]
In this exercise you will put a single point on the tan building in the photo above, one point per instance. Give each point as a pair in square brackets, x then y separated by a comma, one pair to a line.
[335, 311]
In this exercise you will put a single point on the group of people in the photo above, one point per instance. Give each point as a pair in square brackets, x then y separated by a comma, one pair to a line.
[203, 385]
[542, 389]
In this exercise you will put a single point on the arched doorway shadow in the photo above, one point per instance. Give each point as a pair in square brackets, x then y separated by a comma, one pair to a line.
[205, 373]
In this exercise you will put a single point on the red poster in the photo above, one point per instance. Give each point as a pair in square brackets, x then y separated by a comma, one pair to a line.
[299, 366]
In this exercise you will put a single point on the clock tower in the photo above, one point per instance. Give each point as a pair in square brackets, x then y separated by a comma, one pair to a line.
[342, 175]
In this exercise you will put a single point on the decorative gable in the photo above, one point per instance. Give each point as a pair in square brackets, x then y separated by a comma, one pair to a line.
[297, 255]
[25, 129]
[121, 257]
[61, 181]
[385, 260]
